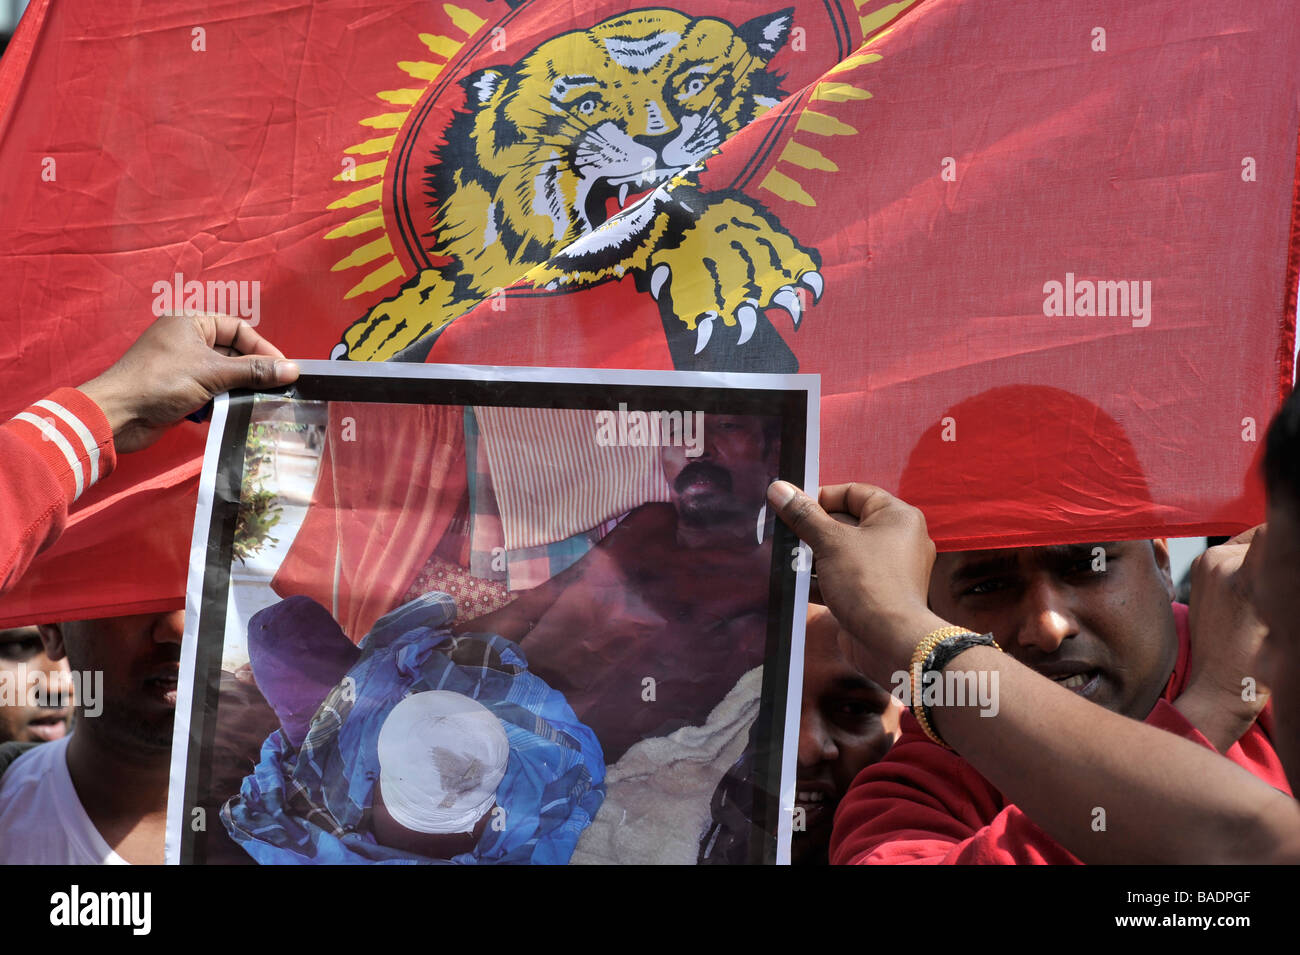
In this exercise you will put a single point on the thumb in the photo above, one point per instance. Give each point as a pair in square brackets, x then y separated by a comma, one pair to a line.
[802, 514]
[255, 371]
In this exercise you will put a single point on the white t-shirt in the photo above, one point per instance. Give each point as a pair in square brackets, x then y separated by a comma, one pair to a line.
[41, 819]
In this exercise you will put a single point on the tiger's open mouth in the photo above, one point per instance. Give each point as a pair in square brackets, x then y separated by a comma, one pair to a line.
[607, 197]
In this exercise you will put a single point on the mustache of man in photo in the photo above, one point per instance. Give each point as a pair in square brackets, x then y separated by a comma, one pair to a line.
[705, 490]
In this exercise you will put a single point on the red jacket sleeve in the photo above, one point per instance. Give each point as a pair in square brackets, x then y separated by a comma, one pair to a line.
[50, 454]
[1253, 752]
[923, 804]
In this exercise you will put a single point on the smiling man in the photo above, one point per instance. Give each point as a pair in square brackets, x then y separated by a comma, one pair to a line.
[99, 795]
[847, 722]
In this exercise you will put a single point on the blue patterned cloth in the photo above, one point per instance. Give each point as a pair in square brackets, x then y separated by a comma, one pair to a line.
[313, 805]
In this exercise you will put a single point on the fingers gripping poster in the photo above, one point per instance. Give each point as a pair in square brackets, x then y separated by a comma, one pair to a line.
[472, 615]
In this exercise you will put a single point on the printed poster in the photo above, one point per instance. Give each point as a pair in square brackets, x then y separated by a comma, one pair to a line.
[494, 615]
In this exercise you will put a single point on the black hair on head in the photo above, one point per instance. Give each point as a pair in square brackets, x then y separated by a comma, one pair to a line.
[1282, 454]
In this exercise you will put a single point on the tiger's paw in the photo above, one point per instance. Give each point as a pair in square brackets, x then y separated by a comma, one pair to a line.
[732, 265]
[424, 305]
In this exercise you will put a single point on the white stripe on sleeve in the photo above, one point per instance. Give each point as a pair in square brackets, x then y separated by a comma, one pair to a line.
[81, 431]
[60, 442]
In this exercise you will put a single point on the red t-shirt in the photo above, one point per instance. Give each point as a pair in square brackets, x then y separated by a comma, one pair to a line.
[50, 454]
[925, 804]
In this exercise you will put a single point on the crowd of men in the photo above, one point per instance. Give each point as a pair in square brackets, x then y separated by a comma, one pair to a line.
[1105, 722]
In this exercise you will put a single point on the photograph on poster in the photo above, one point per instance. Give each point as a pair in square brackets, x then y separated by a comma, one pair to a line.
[494, 616]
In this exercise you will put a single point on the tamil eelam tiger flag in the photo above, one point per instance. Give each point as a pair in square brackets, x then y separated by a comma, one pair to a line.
[1043, 254]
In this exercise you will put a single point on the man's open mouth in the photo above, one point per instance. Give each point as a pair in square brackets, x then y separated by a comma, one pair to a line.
[1084, 683]
[702, 476]
[817, 802]
[49, 727]
[163, 687]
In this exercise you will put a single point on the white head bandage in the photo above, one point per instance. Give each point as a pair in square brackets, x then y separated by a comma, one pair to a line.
[441, 757]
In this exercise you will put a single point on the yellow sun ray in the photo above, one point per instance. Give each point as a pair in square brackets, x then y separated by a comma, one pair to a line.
[368, 221]
[386, 120]
[364, 255]
[443, 46]
[372, 146]
[786, 188]
[420, 69]
[873, 21]
[819, 124]
[468, 23]
[853, 62]
[806, 157]
[367, 200]
[838, 92]
[367, 170]
[360, 197]
[390, 271]
[406, 97]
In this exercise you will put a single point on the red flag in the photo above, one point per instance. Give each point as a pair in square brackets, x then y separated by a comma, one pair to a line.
[1090, 201]
[942, 197]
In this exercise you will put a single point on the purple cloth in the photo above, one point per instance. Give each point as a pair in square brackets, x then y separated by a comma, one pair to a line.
[298, 653]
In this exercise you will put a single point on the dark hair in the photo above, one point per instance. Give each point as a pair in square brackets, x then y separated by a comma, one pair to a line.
[1282, 453]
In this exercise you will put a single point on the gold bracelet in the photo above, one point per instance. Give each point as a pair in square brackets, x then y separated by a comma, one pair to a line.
[923, 651]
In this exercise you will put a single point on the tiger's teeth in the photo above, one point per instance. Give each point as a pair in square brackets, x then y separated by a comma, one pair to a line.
[622, 195]
[657, 279]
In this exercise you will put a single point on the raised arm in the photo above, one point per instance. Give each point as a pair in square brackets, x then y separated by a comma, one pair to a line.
[1055, 755]
[53, 451]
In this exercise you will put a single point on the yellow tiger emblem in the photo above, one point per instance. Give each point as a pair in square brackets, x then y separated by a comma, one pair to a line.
[577, 165]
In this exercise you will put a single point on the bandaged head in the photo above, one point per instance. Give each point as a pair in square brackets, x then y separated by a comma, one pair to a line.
[441, 757]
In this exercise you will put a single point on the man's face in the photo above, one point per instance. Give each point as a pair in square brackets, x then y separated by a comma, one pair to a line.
[38, 685]
[847, 723]
[139, 657]
[1104, 630]
[1278, 664]
[728, 480]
